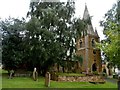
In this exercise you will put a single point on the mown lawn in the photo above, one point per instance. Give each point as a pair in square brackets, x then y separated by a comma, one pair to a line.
[0, 79]
[70, 74]
[27, 82]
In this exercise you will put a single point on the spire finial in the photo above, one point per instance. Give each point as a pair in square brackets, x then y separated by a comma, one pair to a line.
[85, 5]
[86, 13]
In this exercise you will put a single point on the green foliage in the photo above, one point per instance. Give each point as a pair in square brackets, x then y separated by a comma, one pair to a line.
[49, 21]
[95, 73]
[44, 40]
[111, 45]
[55, 23]
[12, 42]
[78, 58]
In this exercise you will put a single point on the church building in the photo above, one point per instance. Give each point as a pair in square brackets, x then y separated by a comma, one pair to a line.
[86, 46]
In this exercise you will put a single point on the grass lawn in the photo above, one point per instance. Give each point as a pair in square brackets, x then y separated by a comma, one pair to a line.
[70, 74]
[0, 79]
[27, 82]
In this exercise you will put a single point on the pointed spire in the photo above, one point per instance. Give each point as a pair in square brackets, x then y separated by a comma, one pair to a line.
[86, 13]
[87, 18]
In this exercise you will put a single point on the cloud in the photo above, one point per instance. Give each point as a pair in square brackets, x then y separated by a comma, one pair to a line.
[97, 9]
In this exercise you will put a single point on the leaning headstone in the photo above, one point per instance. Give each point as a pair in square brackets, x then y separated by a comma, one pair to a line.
[60, 69]
[55, 67]
[35, 75]
[47, 79]
[11, 74]
[87, 71]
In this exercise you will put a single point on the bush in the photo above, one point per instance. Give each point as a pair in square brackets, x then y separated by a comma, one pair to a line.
[104, 74]
[115, 76]
[95, 73]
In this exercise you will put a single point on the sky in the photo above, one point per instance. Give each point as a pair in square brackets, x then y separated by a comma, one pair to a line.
[96, 8]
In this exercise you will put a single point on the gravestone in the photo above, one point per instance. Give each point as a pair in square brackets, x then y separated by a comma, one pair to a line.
[60, 69]
[11, 74]
[65, 69]
[35, 75]
[47, 79]
[87, 72]
[55, 67]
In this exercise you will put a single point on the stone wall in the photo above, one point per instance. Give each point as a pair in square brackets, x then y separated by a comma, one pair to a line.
[22, 73]
[86, 51]
[79, 78]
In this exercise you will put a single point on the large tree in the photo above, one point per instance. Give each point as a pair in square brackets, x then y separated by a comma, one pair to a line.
[55, 24]
[111, 25]
[12, 47]
[47, 38]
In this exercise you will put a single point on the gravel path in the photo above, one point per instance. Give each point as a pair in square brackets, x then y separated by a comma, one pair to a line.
[112, 80]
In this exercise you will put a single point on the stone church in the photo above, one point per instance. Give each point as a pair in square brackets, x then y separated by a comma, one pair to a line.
[86, 47]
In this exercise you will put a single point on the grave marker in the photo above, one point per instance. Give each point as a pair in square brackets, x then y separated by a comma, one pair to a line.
[35, 75]
[47, 79]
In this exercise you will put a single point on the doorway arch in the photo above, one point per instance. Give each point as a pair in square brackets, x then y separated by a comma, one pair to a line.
[94, 67]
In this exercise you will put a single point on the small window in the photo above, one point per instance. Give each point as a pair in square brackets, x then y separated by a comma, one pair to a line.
[80, 43]
[94, 52]
[93, 43]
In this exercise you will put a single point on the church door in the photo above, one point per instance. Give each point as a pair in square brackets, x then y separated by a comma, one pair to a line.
[94, 67]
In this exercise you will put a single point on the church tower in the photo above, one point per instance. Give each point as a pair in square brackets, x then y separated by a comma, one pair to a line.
[86, 47]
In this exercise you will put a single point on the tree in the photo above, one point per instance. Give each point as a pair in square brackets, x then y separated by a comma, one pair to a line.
[55, 24]
[12, 48]
[111, 25]
[44, 40]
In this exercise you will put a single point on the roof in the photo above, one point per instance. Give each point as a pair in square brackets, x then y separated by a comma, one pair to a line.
[87, 18]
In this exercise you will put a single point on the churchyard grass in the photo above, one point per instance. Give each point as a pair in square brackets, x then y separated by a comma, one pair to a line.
[70, 74]
[27, 82]
[0, 79]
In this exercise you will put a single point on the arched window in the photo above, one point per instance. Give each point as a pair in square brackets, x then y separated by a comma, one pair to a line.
[93, 43]
[80, 43]
[94, 66]
[94, 52]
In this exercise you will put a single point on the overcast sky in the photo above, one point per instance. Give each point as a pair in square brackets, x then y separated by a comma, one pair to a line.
[96, 8]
